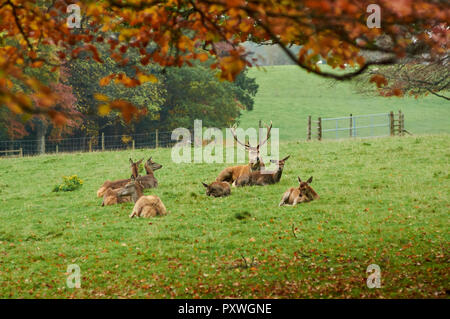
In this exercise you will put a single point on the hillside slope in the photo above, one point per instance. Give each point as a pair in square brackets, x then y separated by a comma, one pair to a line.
[382, 201]
[287, 95]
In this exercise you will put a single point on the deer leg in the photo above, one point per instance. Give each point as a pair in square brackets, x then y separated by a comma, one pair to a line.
[260, 182]
[133, 213]
[148, 211]
[241, 181]
[285, 198]
[297, 200]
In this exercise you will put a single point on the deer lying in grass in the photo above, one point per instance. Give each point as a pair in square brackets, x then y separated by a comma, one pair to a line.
[111, 197]
[145, 206]
[302, 194]
[262, 178]
[217, 189]
[149, 180]
[231, 174]
[121, 182]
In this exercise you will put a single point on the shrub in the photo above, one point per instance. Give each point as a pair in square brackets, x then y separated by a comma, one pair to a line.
[70, 183]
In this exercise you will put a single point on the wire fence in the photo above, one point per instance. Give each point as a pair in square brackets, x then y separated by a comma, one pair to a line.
[371, 125]
[361, 126]
[87, 144]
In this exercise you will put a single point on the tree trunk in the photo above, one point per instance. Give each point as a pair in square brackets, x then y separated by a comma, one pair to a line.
[40, 134]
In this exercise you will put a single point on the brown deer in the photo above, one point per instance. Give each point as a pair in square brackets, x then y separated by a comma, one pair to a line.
[150, 181]
[112, 197]
[217, 189]
[145, 206]
[121, 182]
[231, 174]
[302, 194]
[261, 178]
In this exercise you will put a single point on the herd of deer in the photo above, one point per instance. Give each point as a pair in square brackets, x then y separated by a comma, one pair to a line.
[127, 190]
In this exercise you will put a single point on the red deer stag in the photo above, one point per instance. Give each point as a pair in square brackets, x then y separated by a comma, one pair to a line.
[302, 194]
[145, 206]
[217, 189]
[121, 182]
[231, 174]
[260, 178]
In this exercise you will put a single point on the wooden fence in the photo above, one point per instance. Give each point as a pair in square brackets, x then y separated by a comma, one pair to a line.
[7, 152]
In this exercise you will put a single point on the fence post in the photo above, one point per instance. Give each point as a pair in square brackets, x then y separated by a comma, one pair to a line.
[90, 144]
[400, 123]
[132, 144]
[57, 149]
[20, 152]
[259, 124]
[403, 124]
[156, 138]
[42, 148]
[308, 137]
[351, 125]
[391, 123]
[319, 128]
[103, 141]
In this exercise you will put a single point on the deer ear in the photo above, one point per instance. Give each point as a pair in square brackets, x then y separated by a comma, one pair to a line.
[299, 179]
[309, 180]
[286, 158]
[204, 184]
[131, 161]
[149, 159]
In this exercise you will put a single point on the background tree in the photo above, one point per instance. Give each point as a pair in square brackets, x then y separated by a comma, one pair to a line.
[171, 33]
[410, 77]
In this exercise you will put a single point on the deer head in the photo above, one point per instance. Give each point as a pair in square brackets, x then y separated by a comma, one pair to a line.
[151, 166]
[217, 189]
[133, 188]
[306, 190]
[135, 167]
[254, 157]
[280, 163]
[208, 189]
[277, 174]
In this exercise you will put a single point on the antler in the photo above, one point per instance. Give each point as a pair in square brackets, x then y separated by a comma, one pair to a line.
[269, 128]
[247, 145]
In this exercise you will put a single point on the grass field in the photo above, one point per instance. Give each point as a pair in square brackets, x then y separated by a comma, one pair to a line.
[287, 95]
[383, 201]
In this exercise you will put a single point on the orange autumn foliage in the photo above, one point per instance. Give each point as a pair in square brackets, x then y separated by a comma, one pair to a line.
[183, 31]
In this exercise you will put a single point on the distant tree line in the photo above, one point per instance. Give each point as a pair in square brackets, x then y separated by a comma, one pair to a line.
[171, 97]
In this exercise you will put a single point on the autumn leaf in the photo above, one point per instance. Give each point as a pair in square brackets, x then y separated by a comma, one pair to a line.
[106, 80]
[143, 78]
[379, 80]
[104, 109]
[101, 97]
